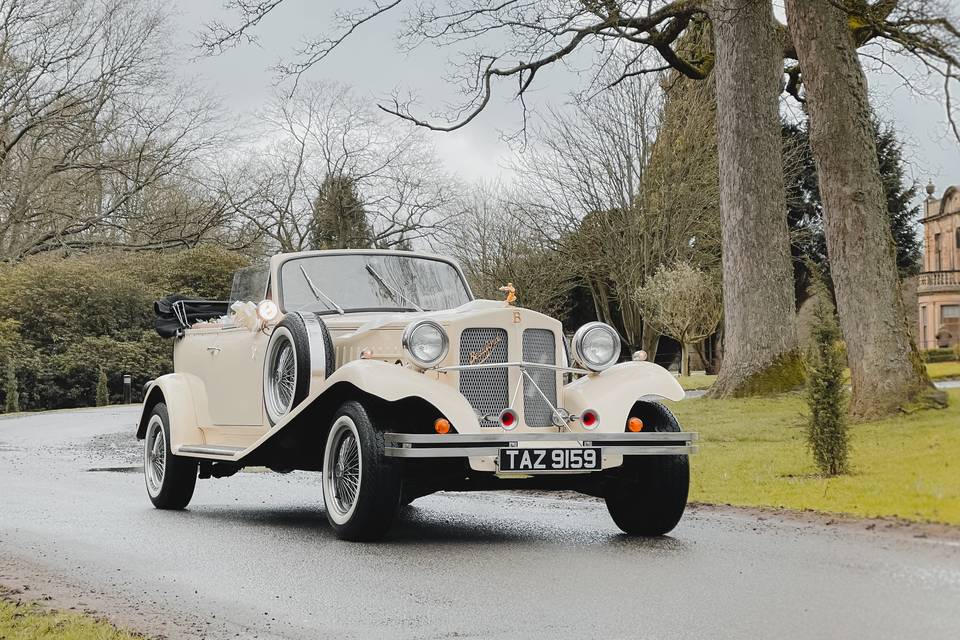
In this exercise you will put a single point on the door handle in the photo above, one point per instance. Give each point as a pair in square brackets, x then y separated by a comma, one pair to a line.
[214, 350]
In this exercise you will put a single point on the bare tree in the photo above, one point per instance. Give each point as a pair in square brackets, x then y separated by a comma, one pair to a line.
[495, 248]
[504, 45]
[578, 188]
[885, 366]
[322, 133]
[89, 119]
[603, 185]
[683, 302]
[512, 41]
[540, 34]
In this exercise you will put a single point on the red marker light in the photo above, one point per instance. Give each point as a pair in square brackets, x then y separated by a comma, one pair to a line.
[508, 419]
[590, 419]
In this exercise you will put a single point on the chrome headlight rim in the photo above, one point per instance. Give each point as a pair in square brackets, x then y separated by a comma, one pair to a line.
[408, 337]
[581, 335]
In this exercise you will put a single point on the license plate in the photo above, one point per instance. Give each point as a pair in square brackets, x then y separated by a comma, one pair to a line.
[544, 460]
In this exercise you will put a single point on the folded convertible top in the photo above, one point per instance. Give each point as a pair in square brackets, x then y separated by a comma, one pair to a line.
[176, 313]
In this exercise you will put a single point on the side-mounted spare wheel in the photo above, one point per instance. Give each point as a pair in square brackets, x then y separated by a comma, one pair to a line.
[170, 479]
[361, 487]
[649, 495]
[299, 344]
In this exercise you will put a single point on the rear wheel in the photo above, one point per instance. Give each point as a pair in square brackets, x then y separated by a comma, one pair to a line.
[649, 496]
[361, 487]
[170, 479]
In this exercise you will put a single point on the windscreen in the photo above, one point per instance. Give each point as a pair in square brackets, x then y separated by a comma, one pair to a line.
[250, 283]
[356, 282]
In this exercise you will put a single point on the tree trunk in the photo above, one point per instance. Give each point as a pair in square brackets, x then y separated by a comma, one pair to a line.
[684, 358]
[885, 368]
[650, 341]
[760, 349]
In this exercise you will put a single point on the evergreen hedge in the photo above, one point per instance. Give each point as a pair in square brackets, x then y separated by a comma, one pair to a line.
[62, 320]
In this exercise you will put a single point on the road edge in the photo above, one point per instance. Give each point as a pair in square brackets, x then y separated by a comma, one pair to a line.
[28, 581]
[882, 525]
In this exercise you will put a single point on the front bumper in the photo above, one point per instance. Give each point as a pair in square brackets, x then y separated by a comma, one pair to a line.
[460, 445]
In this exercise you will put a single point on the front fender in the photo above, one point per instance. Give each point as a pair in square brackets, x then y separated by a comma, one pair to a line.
[393, 382]
[613, 392]
[182, 393]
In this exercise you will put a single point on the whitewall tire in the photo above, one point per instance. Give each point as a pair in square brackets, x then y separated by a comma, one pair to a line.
[361, 487]
[170, 479]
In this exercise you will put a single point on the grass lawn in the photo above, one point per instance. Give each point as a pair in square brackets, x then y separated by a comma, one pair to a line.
[752, 453]
[696, 383]
[937, 371]
[30, 622]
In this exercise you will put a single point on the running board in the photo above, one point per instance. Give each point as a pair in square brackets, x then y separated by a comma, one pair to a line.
[202, 450]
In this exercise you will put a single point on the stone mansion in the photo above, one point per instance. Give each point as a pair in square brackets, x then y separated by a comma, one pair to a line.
[938, 285]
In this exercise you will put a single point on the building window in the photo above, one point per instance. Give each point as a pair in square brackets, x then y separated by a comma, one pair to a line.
[949, 312]
[958, 238]
[936, 251]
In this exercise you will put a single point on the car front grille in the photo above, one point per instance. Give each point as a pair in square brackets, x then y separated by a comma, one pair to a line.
[539, 345]
[485, 389]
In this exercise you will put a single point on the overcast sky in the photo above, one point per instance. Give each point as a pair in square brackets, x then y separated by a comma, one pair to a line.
[370, 62]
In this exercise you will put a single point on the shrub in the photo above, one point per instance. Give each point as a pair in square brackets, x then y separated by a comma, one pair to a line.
[204, 272]
[682, 302]
[826, 392]
[73, 374]
[946, 354]
[11, 403]
[62, 319]
[103, 393]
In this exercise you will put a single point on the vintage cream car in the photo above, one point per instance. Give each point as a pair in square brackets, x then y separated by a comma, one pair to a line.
[381, 371]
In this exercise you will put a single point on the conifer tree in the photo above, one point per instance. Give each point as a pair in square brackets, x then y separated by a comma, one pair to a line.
[103, 391]
[11, 390]
[826, 392]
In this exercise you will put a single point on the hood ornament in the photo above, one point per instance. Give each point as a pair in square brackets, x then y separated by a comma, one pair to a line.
[511, 292]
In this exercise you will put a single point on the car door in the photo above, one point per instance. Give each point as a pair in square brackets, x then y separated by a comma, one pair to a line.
[234, 379]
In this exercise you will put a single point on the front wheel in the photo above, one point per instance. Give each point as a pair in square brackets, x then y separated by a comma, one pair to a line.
[649, 495]
[170, 479]
[361, 488]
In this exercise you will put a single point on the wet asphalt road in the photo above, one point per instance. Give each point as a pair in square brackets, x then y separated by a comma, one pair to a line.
[253, 556]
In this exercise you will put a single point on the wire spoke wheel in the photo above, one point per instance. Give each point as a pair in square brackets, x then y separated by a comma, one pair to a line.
[155, 455]
[342, 469]
[281, 376]
[169, 478]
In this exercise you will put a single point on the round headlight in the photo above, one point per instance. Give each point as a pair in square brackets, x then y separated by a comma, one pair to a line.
[268, 311]
[426, 342]
[596, 346]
